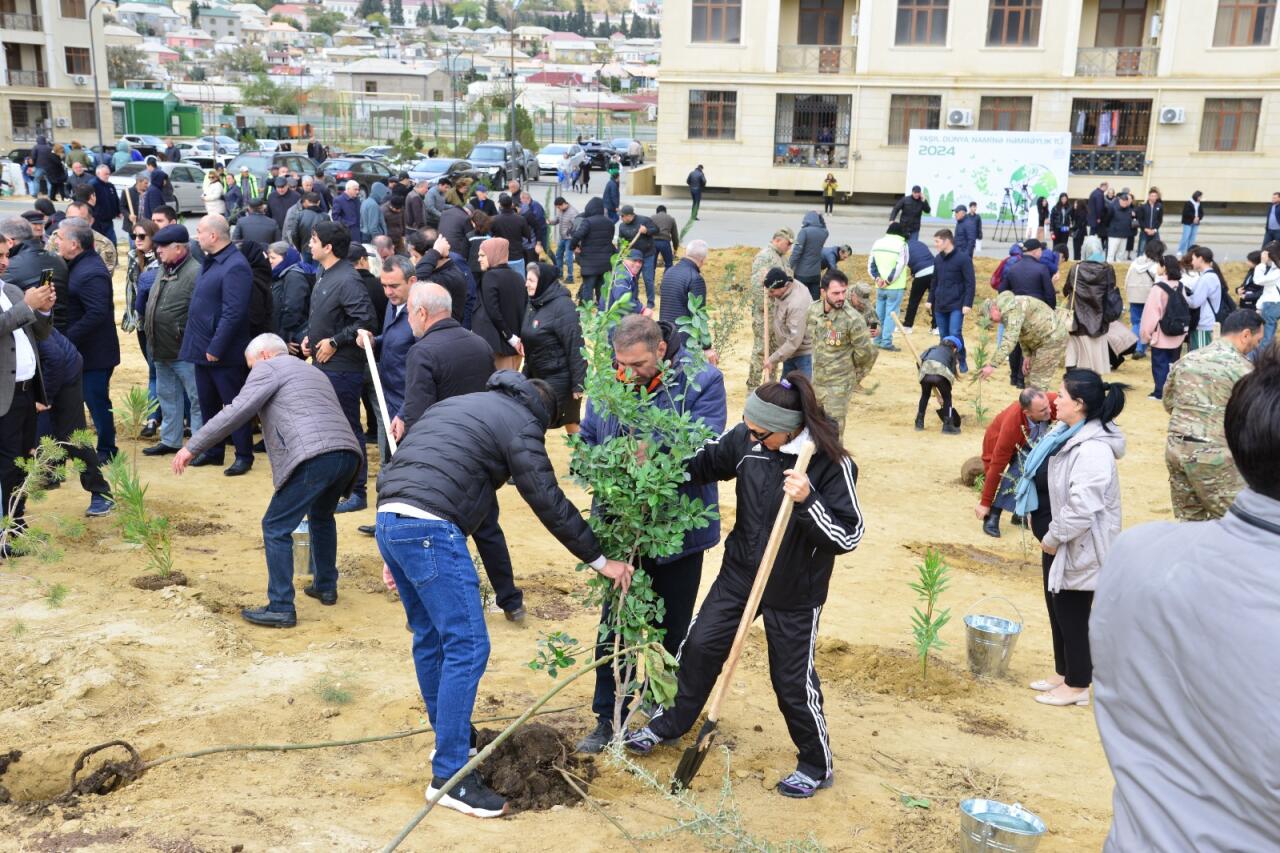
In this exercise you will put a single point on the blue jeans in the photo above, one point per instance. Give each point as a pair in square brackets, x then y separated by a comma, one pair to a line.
[42, 181]
[887, 302]
[663, 248]
[1143, 239]
[803, 363]
[97, 398]
[1270, 315]
[174, 381]
[564, 261]
[1188, 238]
[517, 265]
[312, 491]
[647, 272]
[441, 596]
[952, 323]
[1135, 321]
[1161, 360]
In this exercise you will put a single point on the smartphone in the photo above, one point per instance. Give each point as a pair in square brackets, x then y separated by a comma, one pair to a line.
[46, 278]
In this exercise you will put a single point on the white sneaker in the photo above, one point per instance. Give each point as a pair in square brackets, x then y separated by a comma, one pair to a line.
[906, 330]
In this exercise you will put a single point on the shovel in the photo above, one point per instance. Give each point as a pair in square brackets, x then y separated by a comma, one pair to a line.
[693, 757]
[377, 388]
[955, 418]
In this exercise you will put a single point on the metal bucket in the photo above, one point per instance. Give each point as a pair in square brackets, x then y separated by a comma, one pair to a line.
[302, 548]
[989, 640]
[987, 825]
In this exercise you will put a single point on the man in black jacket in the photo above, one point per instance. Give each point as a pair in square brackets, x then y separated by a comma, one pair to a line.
[340, 307]
[638, 231]
[1150, 218]
[514, 228]
[28, 260]
[592, 246]
[439, 487]
[909, 209]
[1096, 209]
[682, 282]
[436, 266]
[256, 225]
[279, 201]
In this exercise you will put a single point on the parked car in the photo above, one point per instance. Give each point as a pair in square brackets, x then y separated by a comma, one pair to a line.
[435, 168]
[630, 150]
[550, 157]
[187, 180]
[268, 145]
[501, 161]
[143, 143]
[363, 170]
[201, 150]
[232, 146]
[260, 162]
[598, 153]
[376, 152]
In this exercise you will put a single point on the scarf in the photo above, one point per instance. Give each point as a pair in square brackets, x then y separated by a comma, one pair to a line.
[495, 250]
[1026, 501]
[547, 276]
[291, 257]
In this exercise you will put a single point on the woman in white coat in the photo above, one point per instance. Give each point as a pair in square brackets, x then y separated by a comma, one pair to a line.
[1075, 464]
[213, 194]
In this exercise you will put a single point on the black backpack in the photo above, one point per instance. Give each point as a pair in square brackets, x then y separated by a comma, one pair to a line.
[1176, 319]
[1226, 304]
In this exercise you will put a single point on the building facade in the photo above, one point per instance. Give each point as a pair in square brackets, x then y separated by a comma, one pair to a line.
[47, 73]
[773, 94]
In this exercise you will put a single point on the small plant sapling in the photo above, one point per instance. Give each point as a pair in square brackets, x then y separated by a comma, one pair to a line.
[981, 357]
[137, 523]
[48, 464]
[925, 625]
[56, 595]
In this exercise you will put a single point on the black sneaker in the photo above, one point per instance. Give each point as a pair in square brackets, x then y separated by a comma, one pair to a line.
[597, 740]
[470, 796]
[515, 614]
[801, 786]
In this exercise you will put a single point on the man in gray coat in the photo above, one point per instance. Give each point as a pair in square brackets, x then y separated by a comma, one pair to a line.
[1183, 640]
[806, 254]
[313, 456]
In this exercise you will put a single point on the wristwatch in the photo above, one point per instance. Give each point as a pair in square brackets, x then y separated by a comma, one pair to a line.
[333, 343]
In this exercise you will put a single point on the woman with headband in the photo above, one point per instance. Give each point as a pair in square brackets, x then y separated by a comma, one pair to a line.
[779, 417]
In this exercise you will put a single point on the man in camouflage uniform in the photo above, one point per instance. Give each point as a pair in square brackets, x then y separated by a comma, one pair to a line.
[776, 254]
[862, 297]
[104, 247]
[1203, 480]
[1038, 328]
[842, 350]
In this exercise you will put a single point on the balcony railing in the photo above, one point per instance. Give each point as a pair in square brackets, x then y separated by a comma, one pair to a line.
[27, 78]
[817, 58]
[21, 21]
[1117, 61]
[1107, 161]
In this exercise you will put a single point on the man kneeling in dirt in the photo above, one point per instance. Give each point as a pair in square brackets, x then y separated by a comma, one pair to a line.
[314, 457]
[438, 488]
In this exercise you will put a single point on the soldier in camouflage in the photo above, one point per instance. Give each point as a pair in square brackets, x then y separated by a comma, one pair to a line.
[863, 300]
[1203, 480]
[776, 254]
[1038, 328]
[843, 353]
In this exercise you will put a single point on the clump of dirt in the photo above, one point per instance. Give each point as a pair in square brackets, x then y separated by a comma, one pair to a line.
[971, 470]
[983, 562]
[890, 672]
[989, 725]
[5, 760]
[195, 527]
[524, 767]
[153, 582]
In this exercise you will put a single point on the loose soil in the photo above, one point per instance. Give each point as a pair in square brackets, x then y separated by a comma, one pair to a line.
[177, 669]
[526, 768]
[154, 582]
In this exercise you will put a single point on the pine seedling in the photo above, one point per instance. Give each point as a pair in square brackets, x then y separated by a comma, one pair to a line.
[47, 464]
[925, 625]
[56, 595]
[981, 355]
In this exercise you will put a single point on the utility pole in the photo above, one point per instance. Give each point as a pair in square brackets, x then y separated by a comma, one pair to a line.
[453, 92]
[93, 59]
[511, 40]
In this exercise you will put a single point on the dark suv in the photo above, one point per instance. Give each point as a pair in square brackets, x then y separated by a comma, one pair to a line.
[260, 163]
[502, 161]
[365, 171]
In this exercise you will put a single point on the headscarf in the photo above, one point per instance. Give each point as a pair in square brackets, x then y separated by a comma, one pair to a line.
[547, 276]
[1091, 248]
[290, 258]
[495, 251]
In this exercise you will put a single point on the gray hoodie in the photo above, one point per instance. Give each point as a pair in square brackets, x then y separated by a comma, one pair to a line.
[1084, 495]
[806, 254]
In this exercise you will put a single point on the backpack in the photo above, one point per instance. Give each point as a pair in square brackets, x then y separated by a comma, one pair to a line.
[1176, 319]
[1225, 303]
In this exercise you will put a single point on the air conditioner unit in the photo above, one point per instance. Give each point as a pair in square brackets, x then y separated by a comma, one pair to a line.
[959, 118]
[1173, 115]
[80, 79]
[62, 122]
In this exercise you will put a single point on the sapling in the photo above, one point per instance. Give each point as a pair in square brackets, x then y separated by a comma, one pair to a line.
[48, 464]
[981, 356]
[136, 522]
[930, 584]
[56, 595]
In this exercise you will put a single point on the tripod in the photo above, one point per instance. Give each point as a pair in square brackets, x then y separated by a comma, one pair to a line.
[1012, 216]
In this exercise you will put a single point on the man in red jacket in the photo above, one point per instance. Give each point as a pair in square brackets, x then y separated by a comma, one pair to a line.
[1018, 426]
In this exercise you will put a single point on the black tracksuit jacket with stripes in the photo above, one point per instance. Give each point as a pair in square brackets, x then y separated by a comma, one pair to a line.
[827, 523]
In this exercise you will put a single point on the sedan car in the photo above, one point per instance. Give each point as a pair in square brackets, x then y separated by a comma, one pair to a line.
[144, 143]
[376, 152]
[363, 170]
[186, 179]
[630, 150]
[598, 154]
[231, 146]
[201, 150]
[550, 157]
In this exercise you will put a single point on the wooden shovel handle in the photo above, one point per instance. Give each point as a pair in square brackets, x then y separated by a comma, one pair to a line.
[757, 587]
[765, 308]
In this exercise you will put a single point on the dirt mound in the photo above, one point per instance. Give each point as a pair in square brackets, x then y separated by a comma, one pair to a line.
[524, 767]
[983, 562]
[153, 582]
[890, 672]
[5, 760]
[971, 470]
[197, 527]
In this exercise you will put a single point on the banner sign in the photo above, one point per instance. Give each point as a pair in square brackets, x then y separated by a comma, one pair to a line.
[959, 166]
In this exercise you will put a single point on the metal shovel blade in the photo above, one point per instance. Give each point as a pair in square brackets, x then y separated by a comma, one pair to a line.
[693, 757]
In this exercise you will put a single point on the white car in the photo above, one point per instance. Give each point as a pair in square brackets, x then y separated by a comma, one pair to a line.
[186, 179]
[268, 145]
[201, 150]
[551, 156]
[231, 146]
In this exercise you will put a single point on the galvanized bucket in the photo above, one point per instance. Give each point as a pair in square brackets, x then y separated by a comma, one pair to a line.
[302, 548]
[989, 640]
[987, 826]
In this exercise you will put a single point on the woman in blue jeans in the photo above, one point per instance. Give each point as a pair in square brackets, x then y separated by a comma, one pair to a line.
[1267, 276]
[952, 290]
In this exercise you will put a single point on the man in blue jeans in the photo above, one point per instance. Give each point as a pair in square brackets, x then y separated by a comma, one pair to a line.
[952, 290]
[313, 457]
[438, 488]
[887, 266]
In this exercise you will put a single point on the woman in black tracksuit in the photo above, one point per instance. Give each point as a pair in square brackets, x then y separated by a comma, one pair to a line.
[759, 453]
[552, 339]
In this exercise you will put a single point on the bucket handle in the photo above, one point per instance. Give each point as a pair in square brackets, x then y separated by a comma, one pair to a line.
[1021, 621]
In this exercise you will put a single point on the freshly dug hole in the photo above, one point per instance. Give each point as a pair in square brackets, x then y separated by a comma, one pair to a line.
[523, 767]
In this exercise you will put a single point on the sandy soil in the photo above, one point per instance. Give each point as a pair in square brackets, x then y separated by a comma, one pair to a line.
[177, 669]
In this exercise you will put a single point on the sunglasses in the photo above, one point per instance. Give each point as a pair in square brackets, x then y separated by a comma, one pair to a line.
[140, 235]
[757, 435]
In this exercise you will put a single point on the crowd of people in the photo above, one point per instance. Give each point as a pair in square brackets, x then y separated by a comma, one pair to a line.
[267, 317]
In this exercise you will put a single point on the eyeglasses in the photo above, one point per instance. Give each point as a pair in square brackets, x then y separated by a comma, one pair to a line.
[140, 235]
[757, 435]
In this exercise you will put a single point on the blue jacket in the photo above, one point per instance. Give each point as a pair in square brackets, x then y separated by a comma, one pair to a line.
[372, 222]
[704, 400]
[393, 351]
[953, 282]
[612, 198]
[919, 258]
[347, 211]
[91, 324]
[806, 254]
[830, 258]
[60, 363]
[966, 235]
[1024, 279]
[146, 279]
[218, 321]
[108, 204]
[623, 285]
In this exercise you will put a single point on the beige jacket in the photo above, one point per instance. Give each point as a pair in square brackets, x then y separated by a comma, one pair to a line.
[1084, 498]
[789, 321]
[1139, 280]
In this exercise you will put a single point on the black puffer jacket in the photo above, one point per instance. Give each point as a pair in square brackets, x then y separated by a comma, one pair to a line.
[447, 361]
[447, 275]
[827, 523]
[593, 234]
[630, 231]
[552, 340]
[452, 463]
[503, 300]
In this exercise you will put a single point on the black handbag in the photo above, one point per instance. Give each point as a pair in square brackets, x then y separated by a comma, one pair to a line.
[1113, 306]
